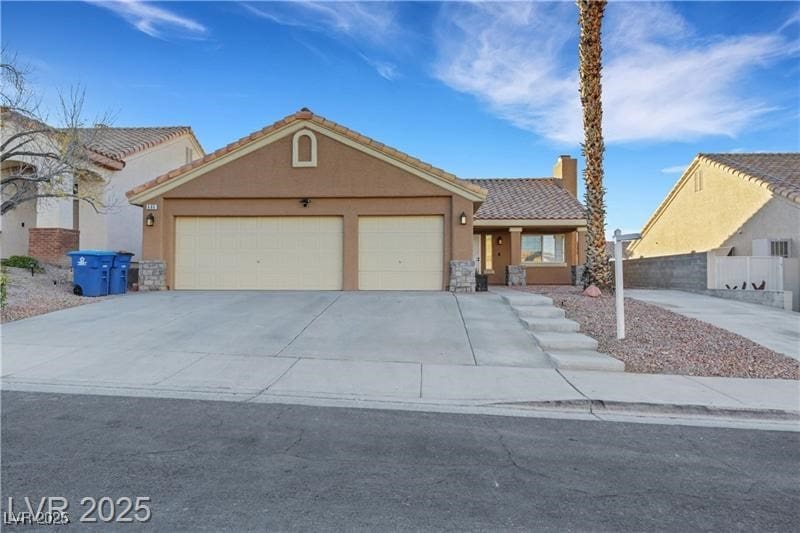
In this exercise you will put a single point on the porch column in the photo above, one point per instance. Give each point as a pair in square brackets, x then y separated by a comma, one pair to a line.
[516, 246]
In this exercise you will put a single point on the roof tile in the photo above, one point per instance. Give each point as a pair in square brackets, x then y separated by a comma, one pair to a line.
[780, 172]
[527, 198]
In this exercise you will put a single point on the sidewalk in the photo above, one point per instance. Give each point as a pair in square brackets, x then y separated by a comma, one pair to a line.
[411, 386]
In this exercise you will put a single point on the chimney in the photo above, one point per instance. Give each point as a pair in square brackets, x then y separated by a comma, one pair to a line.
[566, 169]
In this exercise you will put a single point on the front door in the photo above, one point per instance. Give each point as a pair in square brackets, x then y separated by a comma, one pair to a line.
[476, 253]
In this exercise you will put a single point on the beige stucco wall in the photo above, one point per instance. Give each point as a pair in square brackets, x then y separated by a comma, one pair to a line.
[728, 211]
[779, 218]
[346, 182]
[14, 229]
[123, 223]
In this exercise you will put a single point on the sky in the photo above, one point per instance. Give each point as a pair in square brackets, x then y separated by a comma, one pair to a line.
[481, 89]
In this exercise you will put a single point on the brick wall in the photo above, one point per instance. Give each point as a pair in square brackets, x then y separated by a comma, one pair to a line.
[49, 245]
[684, 271]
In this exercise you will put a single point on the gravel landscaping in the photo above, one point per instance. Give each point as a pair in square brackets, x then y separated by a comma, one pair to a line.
[662, 342]
[29, 295]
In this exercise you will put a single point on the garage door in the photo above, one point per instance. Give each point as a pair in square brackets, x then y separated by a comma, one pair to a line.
[400, 253]
[258, 253]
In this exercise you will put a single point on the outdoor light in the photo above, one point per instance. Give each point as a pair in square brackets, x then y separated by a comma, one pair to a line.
[305, 201]
[150, 220]
[499, 241]
[463, 218]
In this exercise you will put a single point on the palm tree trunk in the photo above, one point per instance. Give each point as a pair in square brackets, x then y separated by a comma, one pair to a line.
[590, 49]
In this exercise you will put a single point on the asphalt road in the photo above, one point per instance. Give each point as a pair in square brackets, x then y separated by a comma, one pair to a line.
[219, 466]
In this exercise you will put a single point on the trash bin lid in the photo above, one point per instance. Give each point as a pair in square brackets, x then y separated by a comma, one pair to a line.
[92, 252]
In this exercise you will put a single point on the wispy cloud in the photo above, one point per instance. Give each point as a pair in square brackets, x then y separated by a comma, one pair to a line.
[676, 169]
[153, 20]
[362, 23]
[660, 80]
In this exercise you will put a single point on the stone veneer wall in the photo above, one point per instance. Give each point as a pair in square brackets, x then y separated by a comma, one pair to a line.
[516, 276]
[577, 275]
[50, 245]
[462, 276]
[684, 271]
[152, 275]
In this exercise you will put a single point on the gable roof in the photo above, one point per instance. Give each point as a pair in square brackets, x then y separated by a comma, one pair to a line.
[111, 144]
[289, 124]
[527, 198]
[778, 172]
[119, 143]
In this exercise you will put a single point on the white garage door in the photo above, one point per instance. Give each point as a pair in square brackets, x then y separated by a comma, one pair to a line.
[400, 253]
[258, 253]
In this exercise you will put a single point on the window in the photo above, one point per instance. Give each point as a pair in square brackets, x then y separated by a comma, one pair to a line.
[189, 155]
[698, 181]
[487, 263]
[779, 248]
[542, 249]
[304, 149]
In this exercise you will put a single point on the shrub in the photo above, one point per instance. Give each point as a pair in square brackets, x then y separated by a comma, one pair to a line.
[3, 283]
[22, 261]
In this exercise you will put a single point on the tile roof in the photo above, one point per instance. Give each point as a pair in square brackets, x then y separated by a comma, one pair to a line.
[527, 198]
[305, 114]
[779, 172]
[119, 143]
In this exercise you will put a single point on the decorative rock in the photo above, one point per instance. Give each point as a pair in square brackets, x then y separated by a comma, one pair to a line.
[592, 291]
[516, 276]
[462, 276]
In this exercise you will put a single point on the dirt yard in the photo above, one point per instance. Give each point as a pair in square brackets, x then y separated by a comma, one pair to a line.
[29, 295]
[662, 342]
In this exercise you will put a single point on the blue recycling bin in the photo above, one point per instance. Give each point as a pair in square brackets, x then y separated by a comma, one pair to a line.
[119, 273]
[91, 271]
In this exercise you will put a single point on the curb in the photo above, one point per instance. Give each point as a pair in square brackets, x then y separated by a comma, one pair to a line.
[610, 407]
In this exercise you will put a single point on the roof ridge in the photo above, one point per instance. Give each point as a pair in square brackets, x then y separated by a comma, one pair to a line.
[747, 153]
[522, 178]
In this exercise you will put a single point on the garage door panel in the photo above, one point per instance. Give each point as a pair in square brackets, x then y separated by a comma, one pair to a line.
[401, 253]
[258, 253]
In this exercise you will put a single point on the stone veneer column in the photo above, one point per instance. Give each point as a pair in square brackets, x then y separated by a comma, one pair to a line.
[152, 275]
[516, 276]
[462, 276]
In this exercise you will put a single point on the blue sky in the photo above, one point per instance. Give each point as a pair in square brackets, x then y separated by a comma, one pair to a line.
[480, 89]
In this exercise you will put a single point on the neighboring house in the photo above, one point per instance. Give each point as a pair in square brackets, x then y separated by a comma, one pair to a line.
[121, 158]
[308, 204]
[738, 204]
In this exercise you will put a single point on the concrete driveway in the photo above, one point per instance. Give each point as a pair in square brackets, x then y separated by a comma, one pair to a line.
[776, 329]
[249, 340]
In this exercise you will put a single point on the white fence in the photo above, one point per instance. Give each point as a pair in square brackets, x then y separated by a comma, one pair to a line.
[732, 271]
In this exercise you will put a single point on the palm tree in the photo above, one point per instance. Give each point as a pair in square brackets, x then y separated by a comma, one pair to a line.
[590, 16]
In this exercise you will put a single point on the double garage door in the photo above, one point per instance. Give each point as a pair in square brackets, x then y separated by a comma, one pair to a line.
[306, 253]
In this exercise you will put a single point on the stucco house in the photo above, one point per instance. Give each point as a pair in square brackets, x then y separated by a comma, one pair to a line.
[306, 203]
[733, 205]
[119, 159]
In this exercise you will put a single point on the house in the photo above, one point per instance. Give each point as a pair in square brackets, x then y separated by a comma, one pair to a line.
[306, 203]
[738, 205]
[118, 159]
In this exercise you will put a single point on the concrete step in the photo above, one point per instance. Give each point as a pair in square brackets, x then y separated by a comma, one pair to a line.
[538, 311]
[550, 324]
[585, 360]
[525, 298]
[557, 341]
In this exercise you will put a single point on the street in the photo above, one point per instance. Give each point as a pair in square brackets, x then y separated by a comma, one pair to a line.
[216, 466]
